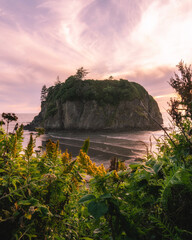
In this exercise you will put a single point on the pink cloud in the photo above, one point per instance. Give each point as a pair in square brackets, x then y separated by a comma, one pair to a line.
[139, 40]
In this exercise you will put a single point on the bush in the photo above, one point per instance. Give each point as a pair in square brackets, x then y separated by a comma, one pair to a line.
[39, 192]
[44, 195]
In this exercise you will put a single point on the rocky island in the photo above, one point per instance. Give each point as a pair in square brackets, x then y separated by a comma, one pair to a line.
[78, 104]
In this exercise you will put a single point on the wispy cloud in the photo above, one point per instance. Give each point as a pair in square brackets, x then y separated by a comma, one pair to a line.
[141, 40]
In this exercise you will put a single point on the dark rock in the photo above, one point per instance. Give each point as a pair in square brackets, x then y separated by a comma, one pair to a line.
[77, 115]
[98, 105]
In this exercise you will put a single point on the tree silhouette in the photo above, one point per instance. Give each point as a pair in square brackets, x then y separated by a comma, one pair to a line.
[44, 92]
[81, 73]
[181, 108]
[9, 117]
[57, 81]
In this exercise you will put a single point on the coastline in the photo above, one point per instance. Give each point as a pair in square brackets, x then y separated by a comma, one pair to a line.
[126, 145]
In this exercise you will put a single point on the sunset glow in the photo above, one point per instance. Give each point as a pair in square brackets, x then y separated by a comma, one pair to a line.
[140, 40]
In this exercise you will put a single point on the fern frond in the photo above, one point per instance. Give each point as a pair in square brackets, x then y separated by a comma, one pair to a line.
[168, 230]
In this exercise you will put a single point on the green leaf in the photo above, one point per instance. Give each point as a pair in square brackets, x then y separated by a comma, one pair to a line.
[24, 202]
[78, 176]
[34, 201]
[70, 167]
[86, 198]
[86, 238]
[97, 209]
[44, 211]
[85, 146]
[134, 166]
[15, 214]
[157, 167]
[106, 195]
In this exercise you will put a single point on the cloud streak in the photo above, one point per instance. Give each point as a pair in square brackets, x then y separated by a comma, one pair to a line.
[141, 40]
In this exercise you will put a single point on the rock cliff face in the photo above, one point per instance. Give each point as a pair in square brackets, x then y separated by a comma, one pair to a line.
[89, 115]
[97, 105]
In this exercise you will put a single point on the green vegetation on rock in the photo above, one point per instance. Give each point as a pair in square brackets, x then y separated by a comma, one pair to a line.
[96, 104]
[102, 91]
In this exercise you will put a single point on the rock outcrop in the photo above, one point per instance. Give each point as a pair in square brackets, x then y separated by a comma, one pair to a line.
[117, 112]
[91, 116]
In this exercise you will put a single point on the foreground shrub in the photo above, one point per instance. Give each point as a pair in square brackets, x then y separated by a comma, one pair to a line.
[45, 195]
[38, 194]
[152, 198]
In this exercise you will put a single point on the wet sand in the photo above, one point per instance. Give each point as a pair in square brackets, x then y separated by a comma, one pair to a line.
[104, 145]
[126, 146]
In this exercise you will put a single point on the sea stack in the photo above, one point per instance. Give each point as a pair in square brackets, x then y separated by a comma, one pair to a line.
[97, 105]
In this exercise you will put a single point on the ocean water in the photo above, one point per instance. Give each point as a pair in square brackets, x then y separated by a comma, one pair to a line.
[24, 118]
[104, 145]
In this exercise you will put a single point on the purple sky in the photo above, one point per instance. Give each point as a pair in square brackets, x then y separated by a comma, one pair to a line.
[139, 40]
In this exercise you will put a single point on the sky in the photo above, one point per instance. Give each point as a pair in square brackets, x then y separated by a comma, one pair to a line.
[138, 40]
